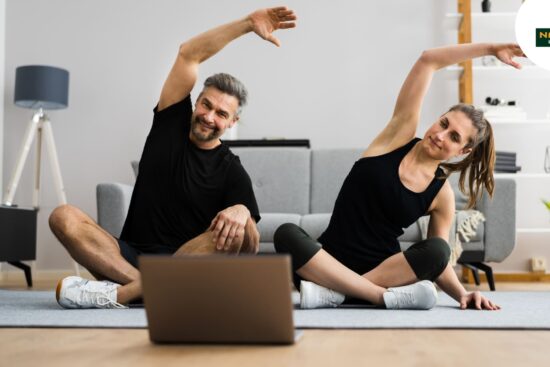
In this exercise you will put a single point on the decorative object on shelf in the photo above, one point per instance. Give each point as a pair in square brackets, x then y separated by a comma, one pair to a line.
[547, 160]
[486, 6]
[504, 112]
[546, 204]
[506, 162]
[499, 102]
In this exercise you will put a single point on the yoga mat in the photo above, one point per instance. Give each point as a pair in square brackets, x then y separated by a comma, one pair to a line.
[520, 310]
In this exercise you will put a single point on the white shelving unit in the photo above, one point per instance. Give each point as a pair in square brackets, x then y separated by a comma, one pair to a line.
[496, 20]
[504, 71]
[542, 122]
[494, 24]
[523, 175]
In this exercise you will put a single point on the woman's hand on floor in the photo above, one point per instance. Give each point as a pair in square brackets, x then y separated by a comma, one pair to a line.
[477, 301]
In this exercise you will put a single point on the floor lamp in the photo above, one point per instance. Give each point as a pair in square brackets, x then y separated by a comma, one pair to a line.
[39, 88]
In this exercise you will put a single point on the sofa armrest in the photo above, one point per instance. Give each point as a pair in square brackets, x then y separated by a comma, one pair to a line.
[113, 201]
[500, 224]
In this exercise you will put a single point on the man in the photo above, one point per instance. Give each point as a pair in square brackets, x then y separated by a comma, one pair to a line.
[192, 195]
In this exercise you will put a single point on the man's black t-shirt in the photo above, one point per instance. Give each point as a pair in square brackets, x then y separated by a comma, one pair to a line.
[180, 188]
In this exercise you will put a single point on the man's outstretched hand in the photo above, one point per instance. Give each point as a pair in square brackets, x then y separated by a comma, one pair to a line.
[265, 21]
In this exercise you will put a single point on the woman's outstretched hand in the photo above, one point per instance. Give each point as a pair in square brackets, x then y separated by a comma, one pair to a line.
[477, 301]
[265, 21]
[507, 51]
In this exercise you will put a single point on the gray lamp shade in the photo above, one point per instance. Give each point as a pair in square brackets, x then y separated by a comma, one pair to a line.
[39, 86]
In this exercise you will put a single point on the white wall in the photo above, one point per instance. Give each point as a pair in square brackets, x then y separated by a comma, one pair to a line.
[334, 80]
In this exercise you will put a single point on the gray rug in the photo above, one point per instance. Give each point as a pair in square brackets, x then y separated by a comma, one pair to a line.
[520, 310]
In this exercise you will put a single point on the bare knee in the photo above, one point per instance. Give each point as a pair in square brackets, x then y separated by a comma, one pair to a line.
[63, 218]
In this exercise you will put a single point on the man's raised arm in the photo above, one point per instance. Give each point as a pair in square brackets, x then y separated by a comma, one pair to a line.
[183, 75]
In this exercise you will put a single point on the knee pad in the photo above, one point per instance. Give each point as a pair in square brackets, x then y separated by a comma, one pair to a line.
[428, 258]
[283, 235]
[438, 250]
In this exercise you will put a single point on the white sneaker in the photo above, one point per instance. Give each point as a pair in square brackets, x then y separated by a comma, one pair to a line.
[316, 296]
[76, 292]
[417, 296]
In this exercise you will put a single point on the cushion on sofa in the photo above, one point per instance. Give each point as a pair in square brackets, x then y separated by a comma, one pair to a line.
[271, 221]
[315, 224]
[280, 177]
[329, 168]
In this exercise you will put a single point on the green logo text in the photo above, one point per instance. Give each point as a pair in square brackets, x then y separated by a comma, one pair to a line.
[543, 37]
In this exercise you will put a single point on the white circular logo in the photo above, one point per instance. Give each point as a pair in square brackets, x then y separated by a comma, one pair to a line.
[533, 31]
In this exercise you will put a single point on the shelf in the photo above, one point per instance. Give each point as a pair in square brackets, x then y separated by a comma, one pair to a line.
[532, 230]
[541, 122]
[498, 20]
[527, 71]
[522, 175]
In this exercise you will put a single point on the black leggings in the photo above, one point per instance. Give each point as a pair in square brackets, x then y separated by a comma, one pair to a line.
[427, 258]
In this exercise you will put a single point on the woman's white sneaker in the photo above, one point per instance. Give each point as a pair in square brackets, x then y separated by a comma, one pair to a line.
[315, 296]
[417, 296]
[77, 292]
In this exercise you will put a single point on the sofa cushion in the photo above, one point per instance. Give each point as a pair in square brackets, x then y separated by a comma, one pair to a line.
[461, 200]
[280, 177]
[412, 234]
[271, 221]
[315, 224]
[329, 168]
[269, 224]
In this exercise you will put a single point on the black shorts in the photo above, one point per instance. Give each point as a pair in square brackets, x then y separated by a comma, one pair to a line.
[130, 251]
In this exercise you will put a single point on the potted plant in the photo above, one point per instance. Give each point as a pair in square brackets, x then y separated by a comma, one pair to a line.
[546, 203]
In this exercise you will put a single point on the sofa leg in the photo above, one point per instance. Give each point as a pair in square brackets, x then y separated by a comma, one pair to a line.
[488, 272]
[25, 268]
[475, 272]
[475, 267]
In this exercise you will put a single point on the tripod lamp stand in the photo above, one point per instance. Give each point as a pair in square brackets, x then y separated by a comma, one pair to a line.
[39, 88]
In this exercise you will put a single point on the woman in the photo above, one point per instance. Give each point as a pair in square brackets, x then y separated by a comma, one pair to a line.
[398, 179]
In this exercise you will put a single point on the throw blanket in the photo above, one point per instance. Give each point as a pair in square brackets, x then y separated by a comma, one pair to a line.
[464, 227]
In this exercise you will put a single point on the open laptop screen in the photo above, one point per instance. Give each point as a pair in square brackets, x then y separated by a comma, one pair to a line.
[221, 299]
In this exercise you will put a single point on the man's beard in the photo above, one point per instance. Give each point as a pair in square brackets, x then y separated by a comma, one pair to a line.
[199, 135]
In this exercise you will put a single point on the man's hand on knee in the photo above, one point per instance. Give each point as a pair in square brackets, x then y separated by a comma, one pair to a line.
[251, 242]
[228, 228]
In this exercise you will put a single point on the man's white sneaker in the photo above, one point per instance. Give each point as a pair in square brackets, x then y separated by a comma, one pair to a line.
[417, 296]
[76, 292]
[316, 296]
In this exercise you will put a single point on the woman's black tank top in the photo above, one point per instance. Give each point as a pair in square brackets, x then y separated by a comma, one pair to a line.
[372, 209]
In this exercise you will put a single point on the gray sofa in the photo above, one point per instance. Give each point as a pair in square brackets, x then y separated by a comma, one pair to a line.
[300, 185]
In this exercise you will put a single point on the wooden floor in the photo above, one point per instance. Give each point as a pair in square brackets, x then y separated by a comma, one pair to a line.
[104, 347]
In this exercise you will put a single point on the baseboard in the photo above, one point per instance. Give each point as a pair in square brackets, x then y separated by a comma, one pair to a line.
[42, 275]
[530, 277]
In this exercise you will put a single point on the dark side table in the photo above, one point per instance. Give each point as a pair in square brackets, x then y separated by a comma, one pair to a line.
[18, 237]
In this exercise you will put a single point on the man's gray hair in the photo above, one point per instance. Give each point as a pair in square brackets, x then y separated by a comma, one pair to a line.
[230, 85]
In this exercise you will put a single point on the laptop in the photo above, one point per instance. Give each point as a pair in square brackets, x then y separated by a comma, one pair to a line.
[218, 299]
